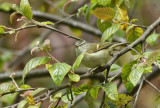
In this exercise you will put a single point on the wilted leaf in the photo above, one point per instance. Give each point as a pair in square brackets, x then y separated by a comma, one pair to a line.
[106, 13]
[26, 9]
[34, 63]
[12, 16]
[132, 35]
[58, 72]
[109, 31]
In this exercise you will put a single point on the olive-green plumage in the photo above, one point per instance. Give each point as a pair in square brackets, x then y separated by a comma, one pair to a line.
[96, 54]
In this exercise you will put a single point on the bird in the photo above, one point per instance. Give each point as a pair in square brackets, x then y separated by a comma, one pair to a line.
[96, 54]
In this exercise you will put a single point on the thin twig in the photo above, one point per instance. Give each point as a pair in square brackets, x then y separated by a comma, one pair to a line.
[153, 86]
[138, 92]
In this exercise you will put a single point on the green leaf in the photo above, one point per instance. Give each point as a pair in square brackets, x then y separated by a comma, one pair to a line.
[6, 87]
[129, 86]
[24, 86]
[26, 9]
[102, 26]
[88, 12]
[133, 20]
[120, 2]
[47, 23]
[78, 61]
[81, 89]
[12, 31]
[111, 90]
[151, 39]
[126, 70]
[129, 28]
[74, 77]
[33, 106]
[89, 100]
[153, 57]
[56, 96]
[127, 3]
[104, 73]
[5, 6]
[108, 32]
[123, 100]
[58, 72]
[106, 13]
[94, 92]
[132, 35]
[1, 30]
[12, 16]
[35, 92]
[34, 63]
[136, 74]
[104, 2]
[22, 104]
[114, 67]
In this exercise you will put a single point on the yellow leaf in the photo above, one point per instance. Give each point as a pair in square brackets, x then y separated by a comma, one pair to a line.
[105, 13]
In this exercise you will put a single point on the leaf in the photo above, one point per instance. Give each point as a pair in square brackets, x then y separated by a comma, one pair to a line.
[34, 63]
[78, 61]
[56, 96]
[12, 31]
[74, 77]
[133, 20]
[151, 39]
[102, 26]
[89, 100]
[24, 86]
[47, 23]
[26, 9]
[1, 30]
[126, 70]
[129, 86]
[123, 100]
[94, 92]
[6, 87]
[106, 13]
[132, 35]
[120, 2]
[81, 89]
[22, 104]
[153, 57]
[108, 32]
[88, 12]
[136, 74]
[12, 16]
[58, 72]
[111, 90]
[104, 2]
[114, 67]
[127, 3]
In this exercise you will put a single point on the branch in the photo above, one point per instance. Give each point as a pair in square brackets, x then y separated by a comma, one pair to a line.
[138, 92]
[132, 45]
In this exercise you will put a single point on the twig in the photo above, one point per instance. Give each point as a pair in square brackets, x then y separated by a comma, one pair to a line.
[57, 103]
[138, 92]
[21, 90]
[153, 86]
